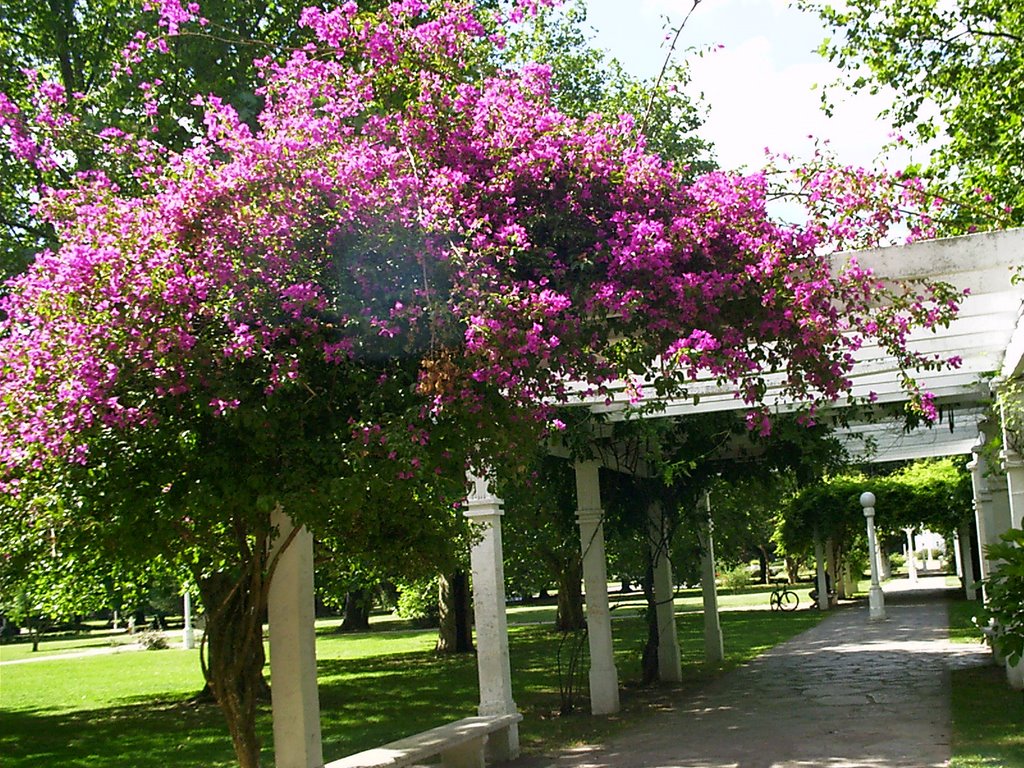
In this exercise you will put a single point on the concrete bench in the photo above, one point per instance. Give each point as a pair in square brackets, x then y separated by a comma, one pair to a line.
[460, 745]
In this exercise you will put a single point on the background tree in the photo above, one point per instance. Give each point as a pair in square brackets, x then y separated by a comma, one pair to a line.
[77, 45]
[543, 541]
[586, 80]
[953, 68]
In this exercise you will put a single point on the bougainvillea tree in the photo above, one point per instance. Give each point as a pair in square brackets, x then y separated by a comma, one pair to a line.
[394, 277]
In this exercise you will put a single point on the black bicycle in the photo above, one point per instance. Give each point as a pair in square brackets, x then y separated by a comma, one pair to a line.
[783, 598]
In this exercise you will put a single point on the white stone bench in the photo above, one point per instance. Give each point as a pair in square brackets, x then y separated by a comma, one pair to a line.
[460, 745]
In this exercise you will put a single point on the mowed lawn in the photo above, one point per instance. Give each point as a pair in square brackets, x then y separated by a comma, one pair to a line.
[136, 708]
[988, 716]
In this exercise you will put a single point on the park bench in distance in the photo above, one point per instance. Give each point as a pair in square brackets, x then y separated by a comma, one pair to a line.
[460, 745]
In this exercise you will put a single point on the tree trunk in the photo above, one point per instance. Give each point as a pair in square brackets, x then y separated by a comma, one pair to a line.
[569, 615]
[233, 657]
[455, 632]
[762, 562]
[649, 661]
[792, 569]
[358, 603]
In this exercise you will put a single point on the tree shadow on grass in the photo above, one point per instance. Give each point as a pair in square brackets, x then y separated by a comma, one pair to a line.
[368, 702]
[173, 733]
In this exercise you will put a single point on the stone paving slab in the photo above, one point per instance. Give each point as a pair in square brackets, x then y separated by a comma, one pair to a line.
[848, 693]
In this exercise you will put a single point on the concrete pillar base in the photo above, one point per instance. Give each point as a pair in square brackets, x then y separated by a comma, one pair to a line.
[876, 604]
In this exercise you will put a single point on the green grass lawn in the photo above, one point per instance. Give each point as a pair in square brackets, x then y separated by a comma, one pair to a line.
[135, 709]
[988, 716]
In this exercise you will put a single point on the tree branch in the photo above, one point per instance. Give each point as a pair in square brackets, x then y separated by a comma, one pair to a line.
[664, 68]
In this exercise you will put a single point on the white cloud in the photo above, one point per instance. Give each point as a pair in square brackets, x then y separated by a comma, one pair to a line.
[755, 104]
[760, 86]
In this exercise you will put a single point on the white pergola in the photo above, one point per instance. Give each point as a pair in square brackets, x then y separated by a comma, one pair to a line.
[989, 337]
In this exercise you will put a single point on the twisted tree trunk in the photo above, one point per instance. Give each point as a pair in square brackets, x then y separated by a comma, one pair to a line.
[233, 657]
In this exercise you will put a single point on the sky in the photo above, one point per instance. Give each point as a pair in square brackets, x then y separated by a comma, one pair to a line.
[763, 86]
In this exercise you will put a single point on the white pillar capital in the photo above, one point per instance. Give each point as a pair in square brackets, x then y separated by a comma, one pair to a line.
[589, 515]
[1011, 459]
[481, 500]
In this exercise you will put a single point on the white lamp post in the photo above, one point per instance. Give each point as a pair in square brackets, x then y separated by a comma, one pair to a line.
[876, 600]
[188, 636]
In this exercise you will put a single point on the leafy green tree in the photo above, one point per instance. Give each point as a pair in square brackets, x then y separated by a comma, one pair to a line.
[587, 81]
[78, 44]
[954, 69]
[51, 572]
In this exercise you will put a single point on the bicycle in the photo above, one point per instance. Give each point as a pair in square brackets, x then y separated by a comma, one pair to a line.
[783, 598]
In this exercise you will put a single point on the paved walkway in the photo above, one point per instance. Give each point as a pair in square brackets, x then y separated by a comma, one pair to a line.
[849, 693]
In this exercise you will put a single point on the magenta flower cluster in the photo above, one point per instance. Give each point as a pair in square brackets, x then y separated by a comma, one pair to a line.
[395, 205]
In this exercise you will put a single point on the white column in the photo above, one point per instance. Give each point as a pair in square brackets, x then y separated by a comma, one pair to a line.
[494, 671]
[820, 571]
[294, 698]
[884, 569]
[188, 635]
[911, 557]
[1013, 463]
[669, 664]
[604, 677]
[966, 553]
[1014, 466]
[876, 600]
[714, 648]
[958, 561]
[987, 518]
[849, 582]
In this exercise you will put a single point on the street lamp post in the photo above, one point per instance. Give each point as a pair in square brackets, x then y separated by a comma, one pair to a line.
[876, 601]
[188, 637]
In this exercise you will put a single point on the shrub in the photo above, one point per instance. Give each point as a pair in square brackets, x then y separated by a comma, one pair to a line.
[152, 639]
[417, 600]
[1005, 590]
[737, 578]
